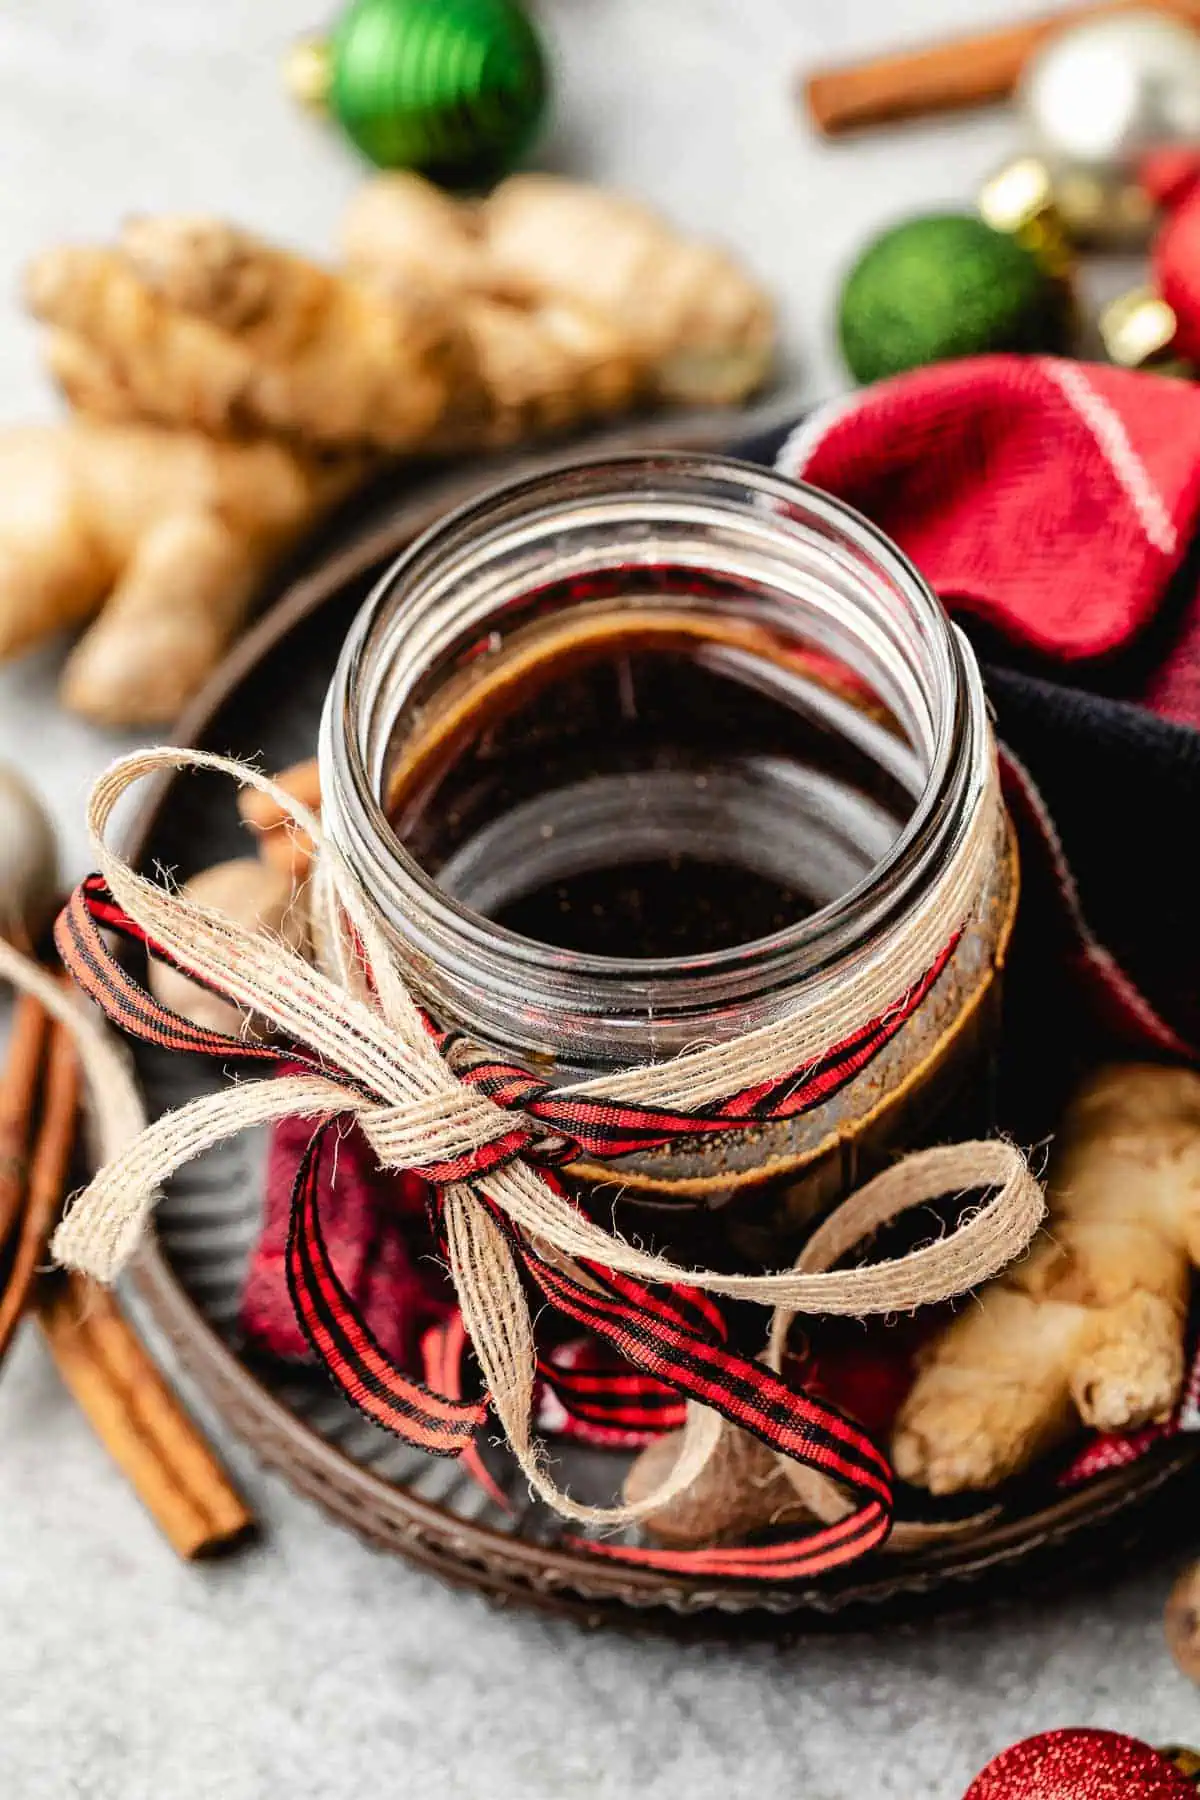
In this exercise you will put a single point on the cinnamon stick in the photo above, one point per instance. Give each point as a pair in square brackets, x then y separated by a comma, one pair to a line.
[138, 1419]
[18, 1098]
[99, 1356]
[48, 1170]
[964, 72]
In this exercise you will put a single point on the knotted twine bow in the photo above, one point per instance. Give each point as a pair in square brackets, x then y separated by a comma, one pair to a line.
[487, 1137]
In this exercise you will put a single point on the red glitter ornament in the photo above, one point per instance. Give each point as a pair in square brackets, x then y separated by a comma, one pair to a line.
[1081, 1765]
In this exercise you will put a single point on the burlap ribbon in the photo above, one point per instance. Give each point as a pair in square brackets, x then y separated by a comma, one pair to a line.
[362, 1021]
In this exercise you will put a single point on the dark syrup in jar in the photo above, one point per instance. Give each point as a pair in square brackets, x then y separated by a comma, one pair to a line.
[641, 784]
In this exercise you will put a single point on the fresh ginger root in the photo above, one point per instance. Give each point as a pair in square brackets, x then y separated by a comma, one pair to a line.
[543, 361]
[701, 328]
[233, 390]
[165, 535]
[192, 323]
[281, 843]
[691, 324]
[456, 325]
[542, 368]
[1091, 1326]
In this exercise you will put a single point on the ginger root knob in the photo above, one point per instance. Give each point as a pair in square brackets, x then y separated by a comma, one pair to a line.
[1090, 1327]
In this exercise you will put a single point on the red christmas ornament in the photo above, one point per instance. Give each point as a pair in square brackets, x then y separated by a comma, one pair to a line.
[1173, 180]
[1081, 1765]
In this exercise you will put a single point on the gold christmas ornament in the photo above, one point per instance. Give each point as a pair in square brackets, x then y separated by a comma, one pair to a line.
[1096, 100]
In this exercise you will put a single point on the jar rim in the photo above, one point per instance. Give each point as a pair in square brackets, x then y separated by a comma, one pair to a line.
[804, 947]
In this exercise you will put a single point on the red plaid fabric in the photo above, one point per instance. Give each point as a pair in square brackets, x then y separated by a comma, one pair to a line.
[379, 1241]
[1050, 499]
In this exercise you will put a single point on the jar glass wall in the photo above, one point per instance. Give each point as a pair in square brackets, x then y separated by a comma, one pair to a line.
[637, 755]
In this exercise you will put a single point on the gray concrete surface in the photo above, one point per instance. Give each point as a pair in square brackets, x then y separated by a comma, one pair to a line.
[311, 1667]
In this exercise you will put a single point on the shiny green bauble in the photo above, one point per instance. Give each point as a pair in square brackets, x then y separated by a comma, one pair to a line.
[454, 88]
[941, 287]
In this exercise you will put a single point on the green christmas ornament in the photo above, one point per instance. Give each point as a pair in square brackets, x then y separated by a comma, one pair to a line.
[454, 88]
[944, 286]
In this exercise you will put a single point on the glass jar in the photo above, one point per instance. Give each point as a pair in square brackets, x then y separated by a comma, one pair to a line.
[641, 754]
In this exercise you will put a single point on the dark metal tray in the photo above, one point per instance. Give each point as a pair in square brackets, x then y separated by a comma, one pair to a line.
[264, 704]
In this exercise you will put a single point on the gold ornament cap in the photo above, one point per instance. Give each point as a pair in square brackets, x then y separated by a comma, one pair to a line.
[1099, 210]
[308, 73]
[1016, 194]
[1186, 1760]
[1138, 330]
[1019, 199]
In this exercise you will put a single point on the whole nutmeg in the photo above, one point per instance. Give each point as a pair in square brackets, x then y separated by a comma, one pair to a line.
[1181, 1622]
[742, 1488]
[28, 859]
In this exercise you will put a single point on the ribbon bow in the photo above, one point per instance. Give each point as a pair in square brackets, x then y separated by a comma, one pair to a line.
[487, 1137]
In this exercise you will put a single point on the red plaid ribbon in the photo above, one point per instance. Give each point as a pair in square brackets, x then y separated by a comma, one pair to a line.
[675, 1339]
